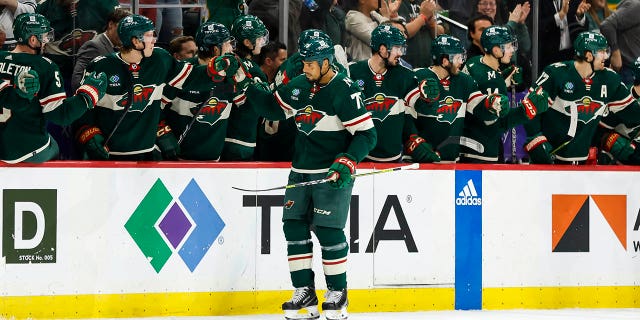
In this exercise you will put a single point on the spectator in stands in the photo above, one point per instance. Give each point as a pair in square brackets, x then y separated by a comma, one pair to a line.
[103, 44]
[476, 26]
[183, 47]
[492, 8]
[360, 21]
[267, 11]
[597, 13]
[169, 21]
[460, 11]
[421, 28]
[10, 10]
[622, 30]
[225, 11]
[271, 57]
[515, 23]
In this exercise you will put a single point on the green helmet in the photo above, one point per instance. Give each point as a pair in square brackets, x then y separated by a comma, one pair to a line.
[446, 45]
[496, 36]
[317, 48]
[309, 34]
[32, 24]
[249, 27]
[589, 41]
[133, 26]
[386, 35]
[211, 34]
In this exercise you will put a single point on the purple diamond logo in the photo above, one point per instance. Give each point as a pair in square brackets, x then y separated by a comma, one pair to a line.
[175, 225]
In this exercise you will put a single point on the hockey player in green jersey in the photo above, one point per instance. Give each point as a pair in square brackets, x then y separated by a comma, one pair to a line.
[126, 124]
[459, 94]
[499, 46]
[199, 112]
[581, 92]
[251, 35]
[37, 95]
[388, 88]
[335, 132]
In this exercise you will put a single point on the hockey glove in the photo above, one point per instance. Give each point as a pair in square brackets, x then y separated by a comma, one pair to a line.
[497, 104]
[28, 84]
[429, 90]
[512, 75]
[539, 150]
[93, 87]
[618, 146]
[635, 68]
[221, 66]
[341, 170]
[535, 102]
[93, 141]
[167, 142]
[420, 150]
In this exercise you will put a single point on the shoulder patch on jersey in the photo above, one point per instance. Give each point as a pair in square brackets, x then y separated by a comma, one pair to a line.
[47, 59]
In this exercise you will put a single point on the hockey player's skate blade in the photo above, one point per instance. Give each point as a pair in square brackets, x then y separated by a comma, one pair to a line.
[311, 314]
[336, 314]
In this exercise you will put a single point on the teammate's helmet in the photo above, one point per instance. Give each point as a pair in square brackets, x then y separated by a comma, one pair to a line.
[317, 49]
[589, 41]
[386, 35]
[211, 34]
[496, 36]
[309, 34]
[446, 45]
[133, 26]
[249, 27]
[32, 24]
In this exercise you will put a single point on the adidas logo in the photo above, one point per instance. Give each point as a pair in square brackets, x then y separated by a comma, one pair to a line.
[468, 196]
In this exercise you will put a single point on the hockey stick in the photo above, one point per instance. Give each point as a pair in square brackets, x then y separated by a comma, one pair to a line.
[126, 109]
[195, 117]
[463, 141]
[514, 131]
[325, 180]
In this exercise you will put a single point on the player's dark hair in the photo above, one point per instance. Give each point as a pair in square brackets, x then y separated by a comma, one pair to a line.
[176, 44]
[269, 51]
[471, 24]
[115, 16]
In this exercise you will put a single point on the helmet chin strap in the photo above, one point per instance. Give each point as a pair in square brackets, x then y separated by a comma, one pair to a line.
[385, 60]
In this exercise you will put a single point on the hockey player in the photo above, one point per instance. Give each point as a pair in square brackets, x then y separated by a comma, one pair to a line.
[499, 46]
[37, 95]
[199, 112]
[251, 35]
[334, 133]
[582, 91]
[126, 123]
[387, 89]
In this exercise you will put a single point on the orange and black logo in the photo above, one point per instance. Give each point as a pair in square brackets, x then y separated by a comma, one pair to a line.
[570, 220]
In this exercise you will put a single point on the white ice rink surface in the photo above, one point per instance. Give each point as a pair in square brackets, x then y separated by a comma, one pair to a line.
[560, 314]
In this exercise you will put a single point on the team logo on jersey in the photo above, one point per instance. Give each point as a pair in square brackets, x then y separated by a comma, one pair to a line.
[307, 118]
[380, 105]
[75, 39]
[141, 98]
[587, 109]
[448, 109]
[212, 111]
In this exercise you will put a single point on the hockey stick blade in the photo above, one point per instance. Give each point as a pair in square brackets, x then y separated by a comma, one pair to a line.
[325, 180]
[463, 141]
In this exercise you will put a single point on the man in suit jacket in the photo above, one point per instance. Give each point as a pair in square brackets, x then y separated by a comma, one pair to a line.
[560, 22]
[101, 45]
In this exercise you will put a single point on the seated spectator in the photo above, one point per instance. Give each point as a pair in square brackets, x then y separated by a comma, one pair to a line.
[476, 26]
[183, 47]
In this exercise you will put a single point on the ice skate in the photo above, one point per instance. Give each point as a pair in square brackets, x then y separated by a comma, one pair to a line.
[302, 306]
[335, 306]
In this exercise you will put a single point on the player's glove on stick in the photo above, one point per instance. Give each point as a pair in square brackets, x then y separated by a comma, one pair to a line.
[539, 150]
[28, 84]
[535, 102]
[93, 87]
[618, 146]
[420, 150]
[341, 170]
[429, 90]
[497, 104]
[167, 142]
[93, 141]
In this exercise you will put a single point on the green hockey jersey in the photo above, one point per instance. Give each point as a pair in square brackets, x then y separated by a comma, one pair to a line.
[204, 106]
[134, 89]
[444, 118]
[331, 119]
[578, 105]
[385, 98]
[488, 132]
[23, 129]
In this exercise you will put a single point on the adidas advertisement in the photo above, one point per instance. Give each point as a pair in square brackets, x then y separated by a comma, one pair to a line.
[468, 195]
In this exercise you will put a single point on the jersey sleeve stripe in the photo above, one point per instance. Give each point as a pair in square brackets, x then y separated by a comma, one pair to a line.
[240, 99]
[4, 84]
[179, 79]
[621, 104]
[412, 96]
[51, 102]
[283, 104]
[358, 120]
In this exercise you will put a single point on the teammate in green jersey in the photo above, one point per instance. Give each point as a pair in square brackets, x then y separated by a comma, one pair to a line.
[388, 89]
[199, 112]
[126, 123]
[335, 132]
[581, 92]
[32, 93]
[499, 46]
